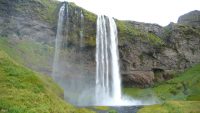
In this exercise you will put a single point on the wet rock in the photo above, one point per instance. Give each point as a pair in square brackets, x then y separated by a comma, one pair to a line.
[138, 78]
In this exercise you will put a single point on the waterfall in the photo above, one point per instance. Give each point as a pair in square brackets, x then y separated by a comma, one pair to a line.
[58, 41]
[77, 86]
[82, 28]
[108, 81]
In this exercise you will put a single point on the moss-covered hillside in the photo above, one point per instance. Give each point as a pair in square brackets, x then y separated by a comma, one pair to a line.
[25, 91]
[178, 95]
[127, 32]
[35, 55]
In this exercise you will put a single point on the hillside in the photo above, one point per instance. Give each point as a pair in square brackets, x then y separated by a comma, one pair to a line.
[178, 95]
[25, 91]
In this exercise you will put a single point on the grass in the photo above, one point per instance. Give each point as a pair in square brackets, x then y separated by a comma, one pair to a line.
[180, 95]
[128, 31]
[106, 109]
[49, 13]
[173, 107]
[24, 91]
[28, 52]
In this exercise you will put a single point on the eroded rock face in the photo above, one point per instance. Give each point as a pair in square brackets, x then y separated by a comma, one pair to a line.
[159, 63]
[24, 19]
[26, 28]
[146, 27]
[138, 78]
[191, 18]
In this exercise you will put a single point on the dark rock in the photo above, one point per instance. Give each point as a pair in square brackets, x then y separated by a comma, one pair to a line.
[138, 78]
[191, 18]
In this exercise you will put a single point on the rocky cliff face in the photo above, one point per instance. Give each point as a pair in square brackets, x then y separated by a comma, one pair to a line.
[191, 18]
[20, 19]
[149, 53]
[29, 21]
[144, 64]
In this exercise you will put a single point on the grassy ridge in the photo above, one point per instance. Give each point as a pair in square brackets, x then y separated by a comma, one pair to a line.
[27, 52]
[182, 92]
[24, 91]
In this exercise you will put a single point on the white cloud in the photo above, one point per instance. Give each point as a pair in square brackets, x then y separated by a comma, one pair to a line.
[150, 11]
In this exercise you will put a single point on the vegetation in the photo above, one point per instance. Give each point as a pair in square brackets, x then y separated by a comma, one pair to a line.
[128, 31]
[49, 14]
[173, 107]
[43, 9]
[103, 109]
[24, 91]
[90, 16]
[90, 28]
[188, 30]
[28, 52]
[184, 87]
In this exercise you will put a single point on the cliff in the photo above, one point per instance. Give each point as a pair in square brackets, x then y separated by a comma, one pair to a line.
[149, 53]
[191, 18]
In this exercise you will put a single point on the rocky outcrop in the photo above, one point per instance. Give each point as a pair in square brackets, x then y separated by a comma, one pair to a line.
[28, 19]
[191, 18]
[145, 27]
[26, 28]
[179, 51]
[138, 78]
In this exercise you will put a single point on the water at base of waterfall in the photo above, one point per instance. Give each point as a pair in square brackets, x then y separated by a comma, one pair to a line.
[115, 109]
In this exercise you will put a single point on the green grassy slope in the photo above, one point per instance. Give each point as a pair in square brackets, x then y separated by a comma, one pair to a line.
[182, 92]
[173, 107]
[24, 91]
[28, 52]
[128, 31]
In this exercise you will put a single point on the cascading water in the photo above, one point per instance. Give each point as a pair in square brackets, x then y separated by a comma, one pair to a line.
[82, 28]
[108, 81]
[78, 85]
[58, 42]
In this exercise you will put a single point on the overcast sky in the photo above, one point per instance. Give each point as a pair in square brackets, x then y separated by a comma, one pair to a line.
[161, 12]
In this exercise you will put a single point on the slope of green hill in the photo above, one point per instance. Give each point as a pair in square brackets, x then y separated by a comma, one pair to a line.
[25, 91]
[178, 95]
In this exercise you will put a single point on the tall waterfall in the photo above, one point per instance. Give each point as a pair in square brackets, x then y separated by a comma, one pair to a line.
[108, 81]
[58, 42]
